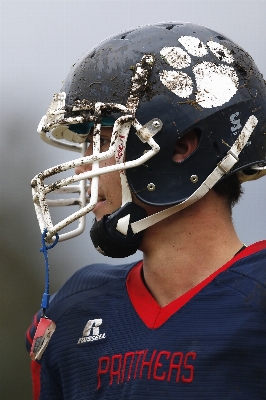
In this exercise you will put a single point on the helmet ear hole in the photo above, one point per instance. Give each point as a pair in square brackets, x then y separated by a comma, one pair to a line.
[186, 145]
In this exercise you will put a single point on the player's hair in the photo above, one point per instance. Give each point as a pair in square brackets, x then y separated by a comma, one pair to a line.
[230, 188]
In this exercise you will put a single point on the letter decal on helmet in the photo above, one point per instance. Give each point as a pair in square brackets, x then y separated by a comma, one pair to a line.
[235, 122]
[216, 83]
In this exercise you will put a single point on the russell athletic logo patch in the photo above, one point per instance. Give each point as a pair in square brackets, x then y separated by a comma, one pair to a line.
[91, 332]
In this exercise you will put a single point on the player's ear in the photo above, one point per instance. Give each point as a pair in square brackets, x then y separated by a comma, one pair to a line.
[185, 146]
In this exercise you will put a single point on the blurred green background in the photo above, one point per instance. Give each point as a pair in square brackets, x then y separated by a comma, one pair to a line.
[40, 40]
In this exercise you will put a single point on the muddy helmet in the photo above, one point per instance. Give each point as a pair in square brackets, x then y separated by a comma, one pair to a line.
[154, 84]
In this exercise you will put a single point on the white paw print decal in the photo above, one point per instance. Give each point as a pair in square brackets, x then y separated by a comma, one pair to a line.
[216, 83]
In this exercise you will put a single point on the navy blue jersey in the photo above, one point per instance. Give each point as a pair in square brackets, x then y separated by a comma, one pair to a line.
[113, 341]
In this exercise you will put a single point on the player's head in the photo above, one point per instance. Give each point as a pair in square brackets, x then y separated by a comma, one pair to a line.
[153, 85]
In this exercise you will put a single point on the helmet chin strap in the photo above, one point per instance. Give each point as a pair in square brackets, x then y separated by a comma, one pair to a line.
[222, 168]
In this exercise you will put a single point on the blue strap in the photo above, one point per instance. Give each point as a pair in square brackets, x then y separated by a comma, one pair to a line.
[44, 249]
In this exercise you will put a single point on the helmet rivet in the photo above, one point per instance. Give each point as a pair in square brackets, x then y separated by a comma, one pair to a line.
[194, 178]
[156, 124]
[151, 187]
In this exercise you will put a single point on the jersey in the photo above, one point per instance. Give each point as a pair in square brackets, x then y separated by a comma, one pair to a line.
[113, 341]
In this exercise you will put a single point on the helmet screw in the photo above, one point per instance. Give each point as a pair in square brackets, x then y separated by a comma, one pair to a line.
[194, 178]
[151, 187]
[156, 124]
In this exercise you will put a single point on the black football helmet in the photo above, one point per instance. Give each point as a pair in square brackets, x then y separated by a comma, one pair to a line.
[154, 84]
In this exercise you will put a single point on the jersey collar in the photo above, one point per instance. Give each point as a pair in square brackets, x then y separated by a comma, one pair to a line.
[150, 312]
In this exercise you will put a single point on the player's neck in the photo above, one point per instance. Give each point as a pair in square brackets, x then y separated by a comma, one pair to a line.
[182, 251]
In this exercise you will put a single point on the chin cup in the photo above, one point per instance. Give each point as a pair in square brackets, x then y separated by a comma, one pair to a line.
[109, 241]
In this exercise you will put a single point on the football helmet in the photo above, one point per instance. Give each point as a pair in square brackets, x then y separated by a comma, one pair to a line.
[153, 85]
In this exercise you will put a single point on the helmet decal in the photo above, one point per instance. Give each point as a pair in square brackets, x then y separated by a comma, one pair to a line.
[216, 83]
[193, 46]
[176, 57]
[178, 82]
[221, 52]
